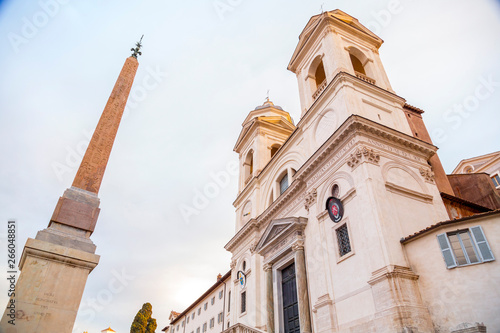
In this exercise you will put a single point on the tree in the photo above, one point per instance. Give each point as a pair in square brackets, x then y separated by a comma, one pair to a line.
[151, 325]
[143, 323]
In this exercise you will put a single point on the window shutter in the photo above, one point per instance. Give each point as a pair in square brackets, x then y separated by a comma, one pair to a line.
[449, 259]
[482, 243]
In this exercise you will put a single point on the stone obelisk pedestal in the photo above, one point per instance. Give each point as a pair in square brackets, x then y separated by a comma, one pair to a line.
[55, 265]
[50, 288]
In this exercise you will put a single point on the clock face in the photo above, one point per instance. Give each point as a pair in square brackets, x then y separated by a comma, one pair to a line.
[246, 213]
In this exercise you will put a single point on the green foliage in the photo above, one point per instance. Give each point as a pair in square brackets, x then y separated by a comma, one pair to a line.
[143, 323]
[151, 326]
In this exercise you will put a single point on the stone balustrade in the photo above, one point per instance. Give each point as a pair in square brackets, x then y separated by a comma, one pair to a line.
[240, 328]
[320, 89]
[364, 78]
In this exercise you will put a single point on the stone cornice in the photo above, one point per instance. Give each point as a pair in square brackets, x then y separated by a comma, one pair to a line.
[392, 272]
[275, 207]
[62, 254]
[357, 125]
[248, 228]
[254, 125]
[349, 78]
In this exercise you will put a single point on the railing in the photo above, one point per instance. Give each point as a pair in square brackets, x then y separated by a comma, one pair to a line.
[240, 328]
[320, 89]
[364, 77]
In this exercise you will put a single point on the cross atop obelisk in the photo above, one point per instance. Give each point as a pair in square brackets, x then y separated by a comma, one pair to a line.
[55, 265]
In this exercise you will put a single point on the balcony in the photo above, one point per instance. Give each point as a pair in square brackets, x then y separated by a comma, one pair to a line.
[320, 89]
[364, 77]
[240, 328]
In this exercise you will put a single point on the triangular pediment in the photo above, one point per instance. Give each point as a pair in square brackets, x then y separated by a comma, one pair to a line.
[478, 163]
[336, 18]
[279, 229]
[275, 231]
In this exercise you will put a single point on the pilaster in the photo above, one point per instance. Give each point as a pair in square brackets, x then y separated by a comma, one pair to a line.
[398, 304]
[303, 294]
[269, 297]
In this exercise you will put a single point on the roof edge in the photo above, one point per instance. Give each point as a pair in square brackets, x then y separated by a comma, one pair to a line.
[205, 294]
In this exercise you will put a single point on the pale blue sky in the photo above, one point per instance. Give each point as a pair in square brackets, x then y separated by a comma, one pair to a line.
[201, 72]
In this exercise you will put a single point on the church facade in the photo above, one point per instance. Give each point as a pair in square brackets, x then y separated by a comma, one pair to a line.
[394, 259]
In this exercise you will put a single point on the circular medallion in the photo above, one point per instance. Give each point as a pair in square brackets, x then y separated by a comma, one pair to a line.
[335, 209]
[242, 279]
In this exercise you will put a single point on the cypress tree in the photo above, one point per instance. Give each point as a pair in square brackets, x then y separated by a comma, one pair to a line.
[143, 323]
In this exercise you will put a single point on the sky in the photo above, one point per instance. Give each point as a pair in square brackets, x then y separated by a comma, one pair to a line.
[205, 65]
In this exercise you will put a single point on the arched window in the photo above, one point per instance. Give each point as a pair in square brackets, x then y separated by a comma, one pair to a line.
[335, 191]
[357, 65]
[244, 266]
[283, 183]
[274, 149]
[248, 166]
[319, 75]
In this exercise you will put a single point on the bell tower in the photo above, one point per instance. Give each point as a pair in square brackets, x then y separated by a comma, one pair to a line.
[337, 62]
[264, 131]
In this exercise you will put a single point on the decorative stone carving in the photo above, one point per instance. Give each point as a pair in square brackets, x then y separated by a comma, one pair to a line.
[427, 174]
[276, 230]
[233, 264]
[361, 154]
[469, 328]
[354, 160]
[253, 246]
[267, 267]
[328, 30]
[310, 199]
[298, 245]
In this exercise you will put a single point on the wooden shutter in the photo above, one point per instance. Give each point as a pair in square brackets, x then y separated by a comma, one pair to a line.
[482, 243]
[448, 256]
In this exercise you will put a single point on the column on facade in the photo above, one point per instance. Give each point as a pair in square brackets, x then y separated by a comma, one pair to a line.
[269, 297]
[300, 273]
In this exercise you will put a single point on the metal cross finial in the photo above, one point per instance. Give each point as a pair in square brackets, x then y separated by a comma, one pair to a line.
[267, 95]
[322, 11]
[135, 50]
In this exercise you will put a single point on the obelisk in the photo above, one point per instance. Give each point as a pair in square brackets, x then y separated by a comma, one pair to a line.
[55, 265]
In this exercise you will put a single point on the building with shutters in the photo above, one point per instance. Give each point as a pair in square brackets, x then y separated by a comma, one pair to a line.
[408, 255]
